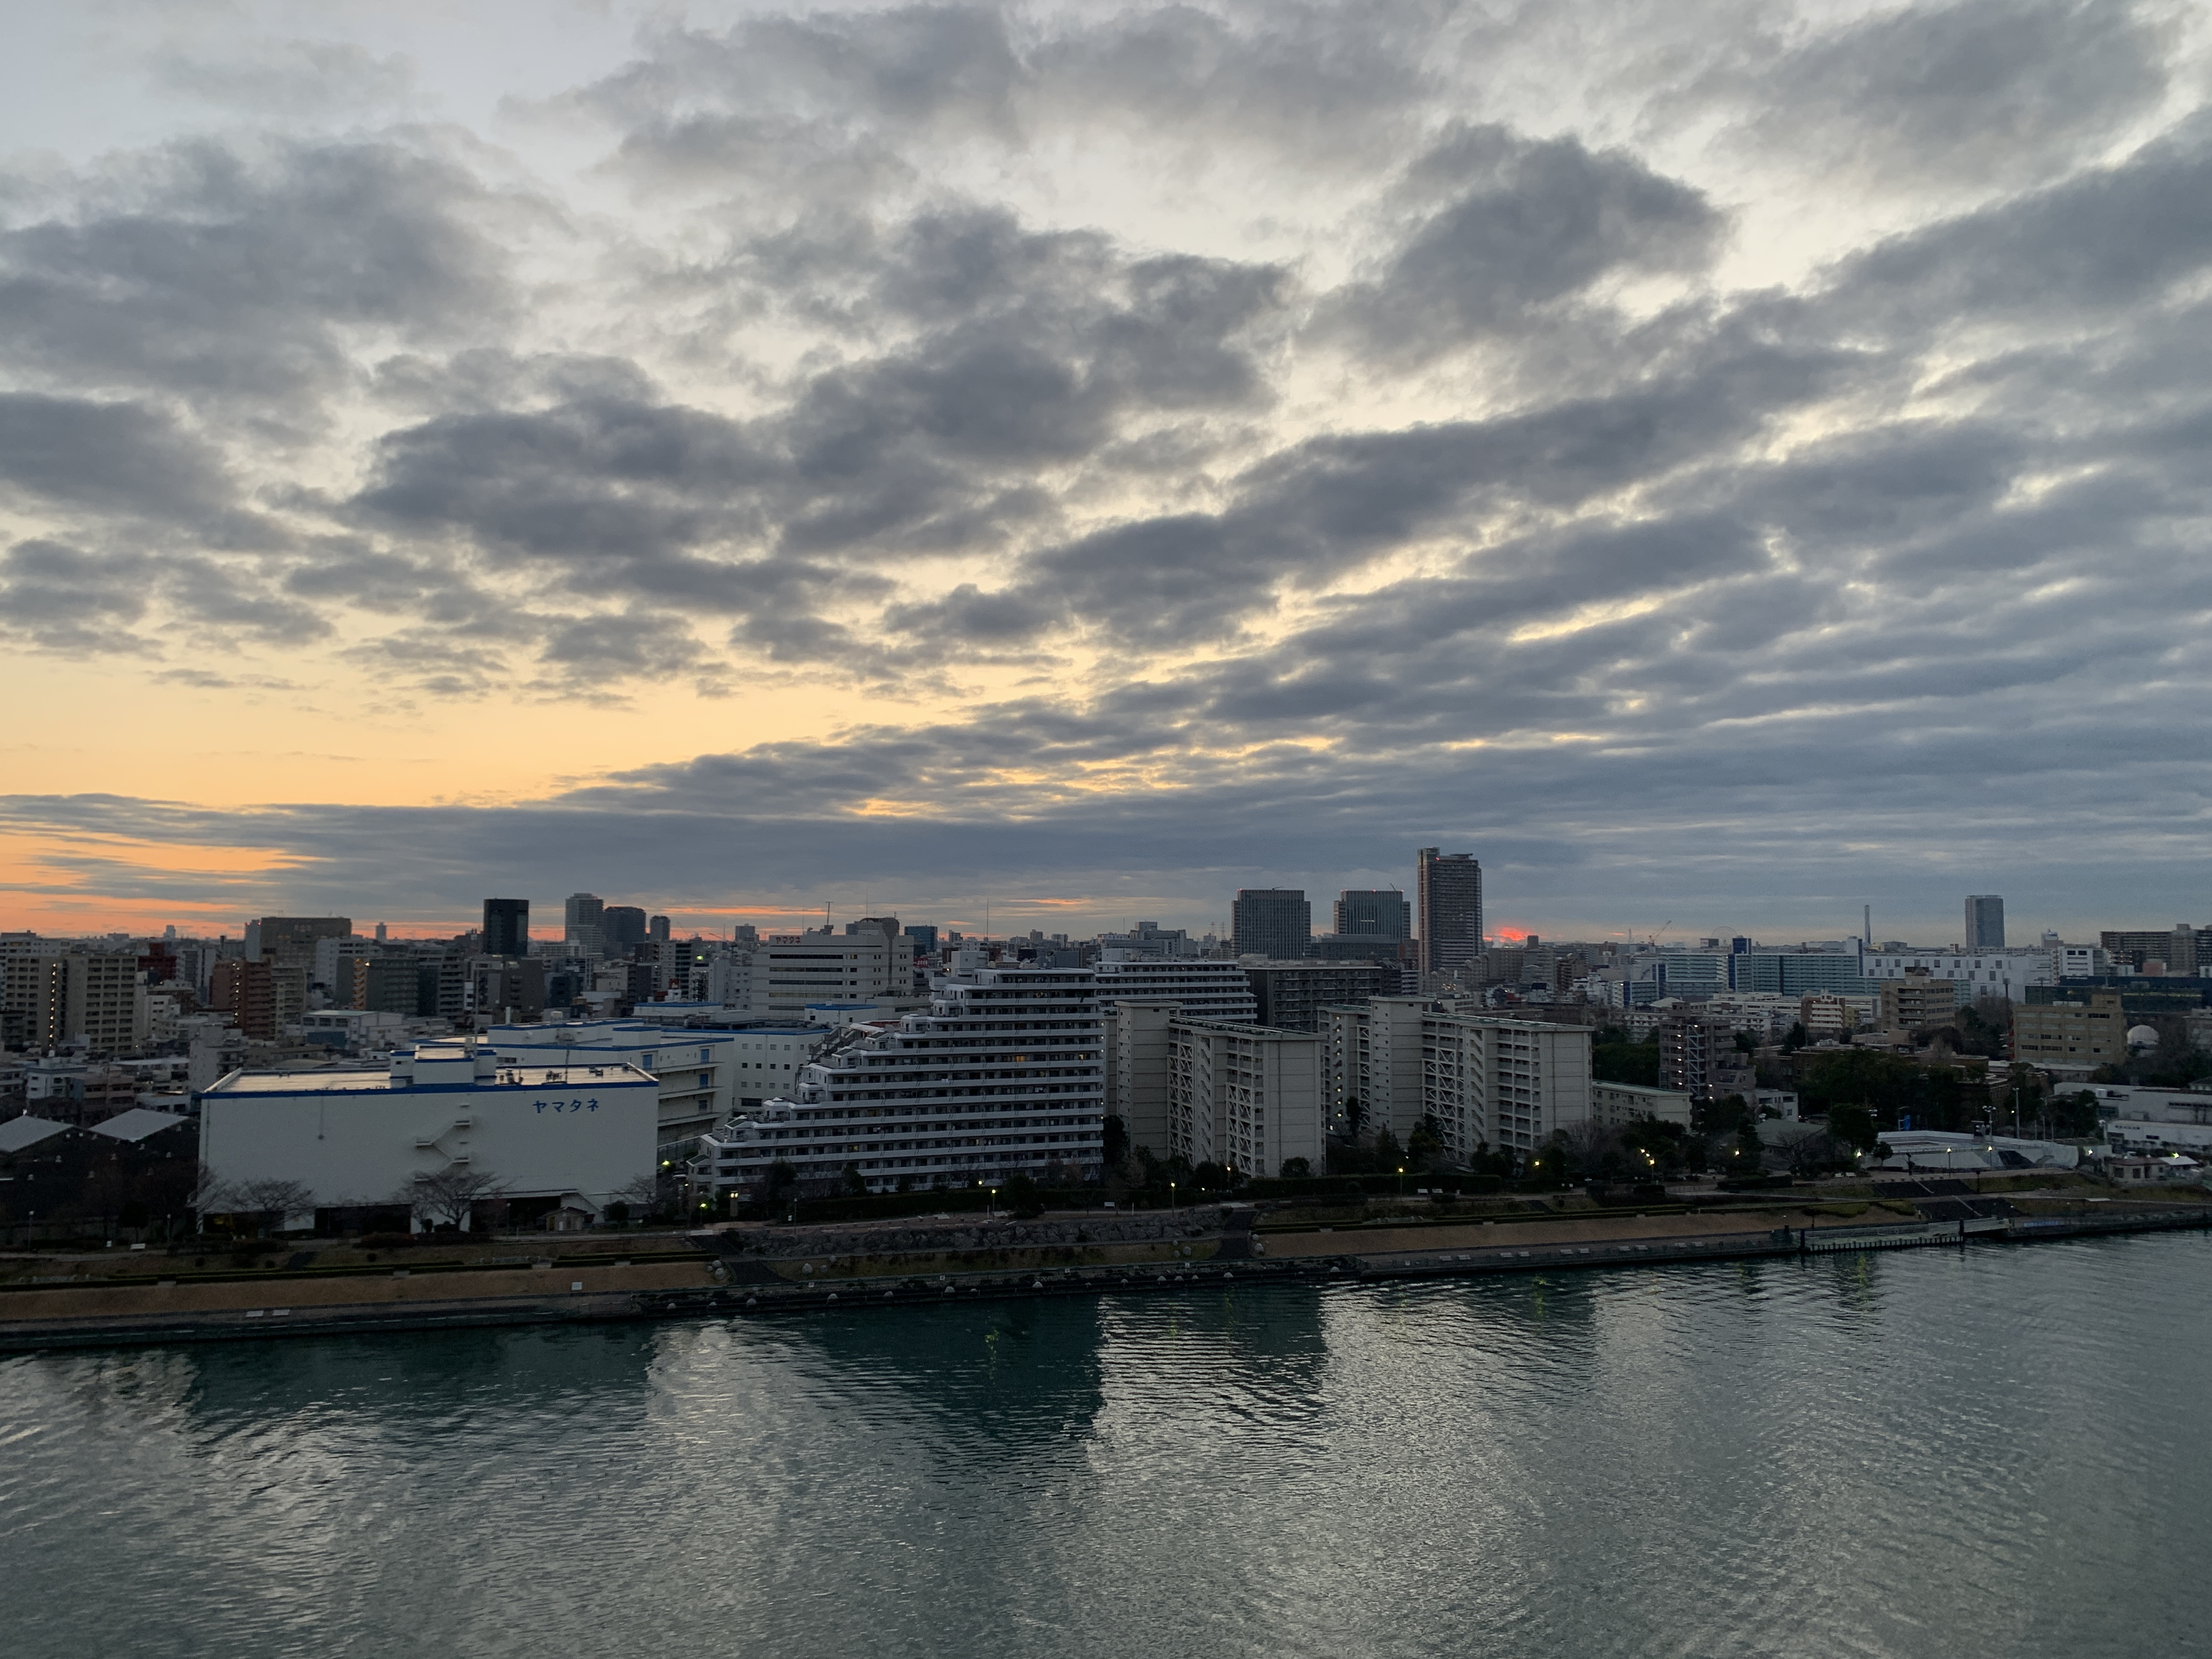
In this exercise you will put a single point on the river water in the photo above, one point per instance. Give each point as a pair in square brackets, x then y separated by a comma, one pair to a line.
[1997, 1451]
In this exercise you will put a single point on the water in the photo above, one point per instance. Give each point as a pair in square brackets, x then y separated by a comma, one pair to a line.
[2000, 1451]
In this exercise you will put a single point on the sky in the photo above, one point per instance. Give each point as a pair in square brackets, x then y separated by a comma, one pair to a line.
[1722, 465]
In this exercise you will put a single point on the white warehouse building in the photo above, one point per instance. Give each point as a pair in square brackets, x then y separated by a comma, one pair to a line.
[570, 1137]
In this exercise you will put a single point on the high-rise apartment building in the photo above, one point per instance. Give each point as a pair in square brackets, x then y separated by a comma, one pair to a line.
[1507, 1083]
[584, 924]
[1293, 996]
[506, 927]
[2173, 951]
[1374, 1061]
[1274, 922]
[1137, 1052]
[1379, 913]
[1448, 894]
[1205, 990]
[1245, 1096]
[57, 992]
[1984, 922]
[1004, 1075]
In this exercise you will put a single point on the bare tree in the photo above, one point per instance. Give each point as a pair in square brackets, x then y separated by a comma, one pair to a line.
[450, 1196]
[266, 1201]
[644, 1196]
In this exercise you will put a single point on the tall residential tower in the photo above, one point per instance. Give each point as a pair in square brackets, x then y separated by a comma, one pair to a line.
[1448, 903]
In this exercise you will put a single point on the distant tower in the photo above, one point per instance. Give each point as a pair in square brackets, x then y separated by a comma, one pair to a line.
[507, 928]
[1986, 922]
[1275, 922]
[584, 926]
[1377, 910]
[1447, 908]
[382, 933]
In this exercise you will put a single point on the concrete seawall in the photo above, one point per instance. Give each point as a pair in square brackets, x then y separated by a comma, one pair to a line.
[719, 1283]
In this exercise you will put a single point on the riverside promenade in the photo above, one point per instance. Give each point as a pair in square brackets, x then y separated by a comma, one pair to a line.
[52, 1301]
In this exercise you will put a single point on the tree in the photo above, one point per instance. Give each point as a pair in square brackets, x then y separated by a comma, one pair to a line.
[780, 1178]
[265, 1202]
[1387, 1149]
[1355, 1113]
[1853, 1125]
[2074, 1116]
[1020, 1197]
[643, 1196]
[1726, 1116]
[1813, 1152]
[1425, 1145]
[856, 1184]
[1622, 1062]
[1296, 1169]
[449, 1197]
[1115, 1144]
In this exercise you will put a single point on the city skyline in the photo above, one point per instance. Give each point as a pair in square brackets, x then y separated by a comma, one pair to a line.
[1734, 464]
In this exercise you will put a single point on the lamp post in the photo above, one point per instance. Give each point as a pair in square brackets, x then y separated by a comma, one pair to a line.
[1171, 1197]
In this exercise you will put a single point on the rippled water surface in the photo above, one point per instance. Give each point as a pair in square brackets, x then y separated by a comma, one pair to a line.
[2002, 1451]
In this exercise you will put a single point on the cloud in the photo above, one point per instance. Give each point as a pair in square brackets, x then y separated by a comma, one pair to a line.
[1989, 92]
[237, 278]
[1225, 443]
[1519, 225]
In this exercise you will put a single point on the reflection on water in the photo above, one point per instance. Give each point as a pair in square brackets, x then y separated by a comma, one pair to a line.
[1927, 1453]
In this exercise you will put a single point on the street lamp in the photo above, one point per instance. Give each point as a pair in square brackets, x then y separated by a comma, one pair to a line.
[1171, 1197]
[992, 1204]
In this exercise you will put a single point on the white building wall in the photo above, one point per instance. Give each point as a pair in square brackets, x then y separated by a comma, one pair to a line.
[1248, 1098]
[698, 1071]
[1980, 974]
[1503, 1083]
[1137, 1069]
[362, 1137]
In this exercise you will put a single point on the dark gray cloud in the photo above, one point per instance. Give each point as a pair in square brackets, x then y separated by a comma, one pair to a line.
[237, 278]
[1276, 400]
[1517, 225]
[1989, 91]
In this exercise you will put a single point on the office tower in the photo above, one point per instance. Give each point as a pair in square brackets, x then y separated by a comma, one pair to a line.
[1382, 913]
[1274, 922]
[624, 926]
[584, 924]
[1448, 889]
[1986, 922]
[656, 927]
[507, 928]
